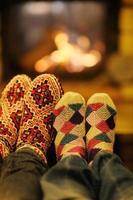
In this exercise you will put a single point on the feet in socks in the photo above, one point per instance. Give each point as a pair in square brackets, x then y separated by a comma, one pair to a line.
[100, 124]
[11, 111]
[36, 124]
[69, 124]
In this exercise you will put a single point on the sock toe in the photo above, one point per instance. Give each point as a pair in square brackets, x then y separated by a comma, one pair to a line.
[70, 98]
[102, 98]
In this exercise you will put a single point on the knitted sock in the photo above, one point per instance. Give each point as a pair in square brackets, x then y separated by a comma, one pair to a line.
[36, 124]
[100, 124]
[69, 124]
[11, 111]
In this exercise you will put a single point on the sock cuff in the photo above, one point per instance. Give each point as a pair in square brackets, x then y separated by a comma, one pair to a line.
[35, 150]
[4, 150]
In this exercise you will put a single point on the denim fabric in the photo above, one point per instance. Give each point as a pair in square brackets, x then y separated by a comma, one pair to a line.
[70, 178]
[111, 179]
[20, 177]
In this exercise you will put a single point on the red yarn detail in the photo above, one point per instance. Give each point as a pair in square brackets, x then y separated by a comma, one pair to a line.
[27, 114]
[95, 106]
[102, 126]
[42, 95]
[4, 130]
[16, 117]
[92, 143]
[79, 150]
[15, 93]
[59, 150]
[67, 127]
[57, 112]
[0, 111]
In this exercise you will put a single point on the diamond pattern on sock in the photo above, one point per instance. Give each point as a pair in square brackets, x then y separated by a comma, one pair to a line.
[100, 124]
[15, 93]
[11, 106]
[16, 118]
[27, 114]
[42, 94]
[69, 122]
[36, 130]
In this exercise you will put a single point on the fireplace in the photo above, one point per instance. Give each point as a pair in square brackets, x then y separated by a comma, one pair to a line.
[68, 38]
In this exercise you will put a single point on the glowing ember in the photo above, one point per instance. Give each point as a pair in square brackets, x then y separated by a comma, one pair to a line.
[83, 42]
[43, 64]
[61, 39]
[91, 59]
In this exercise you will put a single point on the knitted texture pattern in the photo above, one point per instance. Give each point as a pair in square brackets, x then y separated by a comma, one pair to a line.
[100, 124]
[11, 105]
[36, 123]
[69, 124]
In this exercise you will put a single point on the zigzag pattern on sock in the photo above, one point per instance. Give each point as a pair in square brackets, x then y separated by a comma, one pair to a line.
[11, 106]
[69, 124]
[100, 124]
[36, 124]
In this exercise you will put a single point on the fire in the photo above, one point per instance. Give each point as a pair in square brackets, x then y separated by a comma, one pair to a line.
[61, 39]
[43, 64]
[83, 42]
[74, 56]
[91, 59]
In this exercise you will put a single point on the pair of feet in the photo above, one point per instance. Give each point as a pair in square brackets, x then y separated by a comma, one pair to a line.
[32, 111]
[82, 129]
[26, 109]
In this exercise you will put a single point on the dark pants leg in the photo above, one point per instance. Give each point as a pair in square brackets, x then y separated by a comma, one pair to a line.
[20, 177]
[111, 180]
[70, 179]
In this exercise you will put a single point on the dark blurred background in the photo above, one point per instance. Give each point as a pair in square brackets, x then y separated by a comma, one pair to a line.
[87, 44]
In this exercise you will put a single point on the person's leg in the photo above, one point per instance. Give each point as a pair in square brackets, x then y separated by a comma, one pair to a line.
[11, 105]
[20, 176]
[70, 178]
[111, 180]
[21, 170]
[36, 131]
[100, 124]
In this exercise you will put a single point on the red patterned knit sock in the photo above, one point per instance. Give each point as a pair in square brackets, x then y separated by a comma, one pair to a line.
[11, 112]
[100, 124]
[69, 123]
[36, 124]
